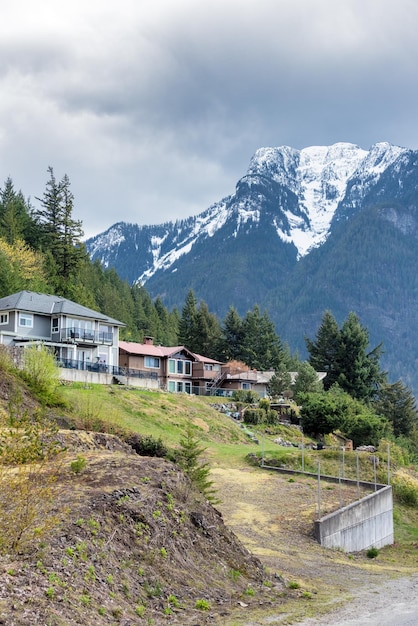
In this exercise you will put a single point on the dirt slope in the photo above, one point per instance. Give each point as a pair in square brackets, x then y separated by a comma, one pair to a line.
[135, 545]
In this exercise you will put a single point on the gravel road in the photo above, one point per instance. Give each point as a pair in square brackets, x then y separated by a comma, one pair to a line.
[394, 603]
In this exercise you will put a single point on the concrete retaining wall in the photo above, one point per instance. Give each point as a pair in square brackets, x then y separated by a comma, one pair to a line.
[361, 525]
[99, 378]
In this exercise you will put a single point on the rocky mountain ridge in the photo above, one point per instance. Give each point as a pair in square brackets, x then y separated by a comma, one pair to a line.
[328, 227]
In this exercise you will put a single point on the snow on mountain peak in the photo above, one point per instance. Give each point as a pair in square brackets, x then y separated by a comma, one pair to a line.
[318, 175]
[301, 190]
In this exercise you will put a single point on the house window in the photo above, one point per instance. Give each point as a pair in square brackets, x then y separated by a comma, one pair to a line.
[55, 324]
[4, 318]
[152, 361]
[245, 385]
[178, 366]
[188, 388]
[25, 319]
[171, 385]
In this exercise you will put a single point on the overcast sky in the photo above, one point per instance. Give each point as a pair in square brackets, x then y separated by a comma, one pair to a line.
[154, 107]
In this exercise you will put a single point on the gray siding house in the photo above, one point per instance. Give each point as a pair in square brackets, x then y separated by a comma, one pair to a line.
[79, 337]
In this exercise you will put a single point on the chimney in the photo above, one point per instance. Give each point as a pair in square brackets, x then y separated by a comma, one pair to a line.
[148, 341]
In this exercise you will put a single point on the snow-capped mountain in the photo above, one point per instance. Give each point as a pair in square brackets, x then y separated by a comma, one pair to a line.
[299, 192]
[329, 227]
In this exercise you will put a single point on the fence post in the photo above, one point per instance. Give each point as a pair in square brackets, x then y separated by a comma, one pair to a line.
[319, 489]
[341, 495]
[303, 454]
[358, 476]
[388, 463]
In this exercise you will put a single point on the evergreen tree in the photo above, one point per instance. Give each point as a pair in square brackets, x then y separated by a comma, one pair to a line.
[187, 324]
[60, 233]
[261, 347]
[396, 403]
[71, 233]
[189, 458]
[15, 220]
[279, 382]
[207, 332]
[359, 370]
[324, 352]
[306, 381]
[342, 354]
[232, 337]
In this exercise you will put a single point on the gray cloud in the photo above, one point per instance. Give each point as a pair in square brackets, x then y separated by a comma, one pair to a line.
[154, 109]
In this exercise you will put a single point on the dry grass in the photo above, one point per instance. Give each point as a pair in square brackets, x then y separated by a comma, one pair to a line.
[274, 519]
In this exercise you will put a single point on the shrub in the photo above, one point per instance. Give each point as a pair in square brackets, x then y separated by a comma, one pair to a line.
[254, 416]
[202, 605]
[78, 465]
[147, 446]
[372, 553]
[6, 361]
[264, 404]
[41, 373]
[29, 490]
[293, 584]
[246, 396]
[405, 488]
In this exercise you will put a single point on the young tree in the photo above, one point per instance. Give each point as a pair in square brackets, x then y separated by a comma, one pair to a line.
[189, 458]
[21, 267]
[29, 490]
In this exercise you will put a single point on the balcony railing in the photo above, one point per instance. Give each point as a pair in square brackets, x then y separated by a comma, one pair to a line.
[79, 335]
[103, 368]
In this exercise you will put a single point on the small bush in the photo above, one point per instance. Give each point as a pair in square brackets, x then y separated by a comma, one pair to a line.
[248, 397]
[147, 446]
[293, 584]
[41, 373]
[78, 465]
[405, 488]
[202, 605]
[254, 416]
[264, 404]
[140, 610]
[6, 361]
[372, 553]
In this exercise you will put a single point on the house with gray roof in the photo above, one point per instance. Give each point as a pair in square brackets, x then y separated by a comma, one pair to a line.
[79, 337]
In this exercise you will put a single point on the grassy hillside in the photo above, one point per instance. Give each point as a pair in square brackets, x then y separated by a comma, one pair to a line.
[131, 542]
